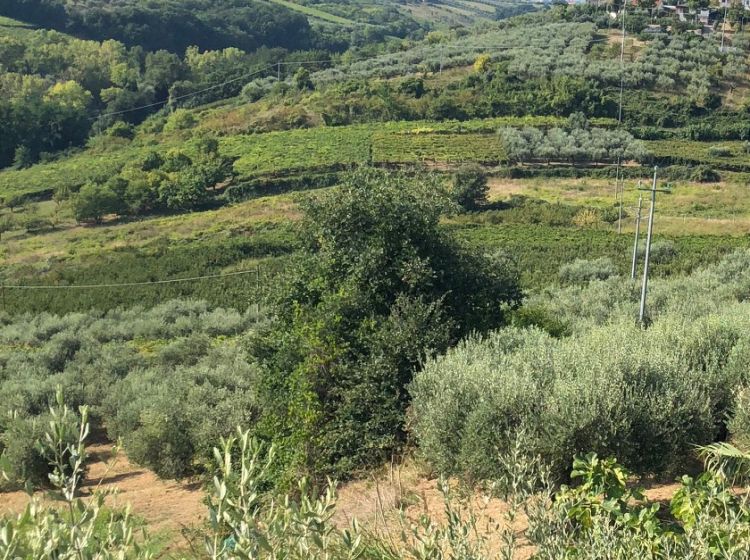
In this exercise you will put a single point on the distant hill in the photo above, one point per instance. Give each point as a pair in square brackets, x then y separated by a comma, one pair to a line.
[170, 24]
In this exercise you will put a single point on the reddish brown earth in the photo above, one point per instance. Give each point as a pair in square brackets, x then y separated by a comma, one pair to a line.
[166, 506]
[173, 508]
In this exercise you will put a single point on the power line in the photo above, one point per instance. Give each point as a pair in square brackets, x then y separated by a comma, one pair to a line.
[124, 284]
[185, 96]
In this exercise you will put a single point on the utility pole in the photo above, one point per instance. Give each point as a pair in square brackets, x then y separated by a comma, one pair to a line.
[622, 65]
[724, 25]
[618, 193]
[644, 290]
[278, 71]
[634, 268]
[257, 290]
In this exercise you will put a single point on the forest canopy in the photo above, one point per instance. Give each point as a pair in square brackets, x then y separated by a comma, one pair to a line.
[170, 24]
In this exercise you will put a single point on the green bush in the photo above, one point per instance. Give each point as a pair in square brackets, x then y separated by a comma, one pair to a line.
[663, 251]
[644, 396]
[705, 174]
[180, 119]
[719, 151]
[19, 445]
[469, 188]
[739, 424]
[121, 130]
[582, 271]
[170, 381]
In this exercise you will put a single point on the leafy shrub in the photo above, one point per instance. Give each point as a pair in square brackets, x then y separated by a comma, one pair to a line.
[662, 251]
[704, 174]
[469, 188]
[582, 271]
[605, 517]
[93, 202]
[739, 424]
[180, 119]
[169, 380]
[378, 286]
[654, 396]
[24, 461]
[539, 317]
[79, 529]
[719, 151]
[170, 425]
[121, 130]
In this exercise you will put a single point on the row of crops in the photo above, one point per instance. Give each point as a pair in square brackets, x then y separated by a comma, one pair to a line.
[288, 152]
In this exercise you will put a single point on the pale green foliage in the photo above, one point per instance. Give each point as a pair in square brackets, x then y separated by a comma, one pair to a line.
[575, 145]
[170, 381]
[180, 119]
[739, 425]
[246, 523]
[644, 396]
[74, 532]
[582, 271]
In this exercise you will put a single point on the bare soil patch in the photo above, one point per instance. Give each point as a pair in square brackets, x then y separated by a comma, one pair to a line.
[166, 506]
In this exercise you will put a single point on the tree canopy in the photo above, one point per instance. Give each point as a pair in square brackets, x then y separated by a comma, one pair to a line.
[379, 286]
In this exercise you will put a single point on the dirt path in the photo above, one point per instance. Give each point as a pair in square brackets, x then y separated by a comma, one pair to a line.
[166, 506]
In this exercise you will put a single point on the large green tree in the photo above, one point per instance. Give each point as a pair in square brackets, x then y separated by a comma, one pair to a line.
[378, 286]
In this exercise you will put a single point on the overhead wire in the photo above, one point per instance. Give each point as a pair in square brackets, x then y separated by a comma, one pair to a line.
[188, 95]
[123, 284]
[277, 64]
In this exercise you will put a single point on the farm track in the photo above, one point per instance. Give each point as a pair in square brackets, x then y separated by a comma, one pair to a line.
[166, 506]
[169, 507]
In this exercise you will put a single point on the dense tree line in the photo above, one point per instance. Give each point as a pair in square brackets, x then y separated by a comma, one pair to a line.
[169, 24]
[55, 87]
[169, 182]
[575, 145]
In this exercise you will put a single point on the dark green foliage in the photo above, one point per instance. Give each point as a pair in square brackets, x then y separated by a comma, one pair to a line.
[528, 316]
[23, 157]
[169, 24]
[93, 202]
[302, 80]
[705, 174]
[121, 130]
[469, 189]
[378, 287]
[19, 438]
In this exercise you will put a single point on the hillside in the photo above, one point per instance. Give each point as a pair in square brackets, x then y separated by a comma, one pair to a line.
[400, 239]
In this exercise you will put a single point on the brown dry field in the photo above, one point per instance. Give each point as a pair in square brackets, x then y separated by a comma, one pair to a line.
[172, 509]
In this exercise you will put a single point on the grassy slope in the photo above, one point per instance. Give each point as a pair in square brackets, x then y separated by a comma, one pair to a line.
[315, 13]
[704, 220]
[14, 28]
[281, 152]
